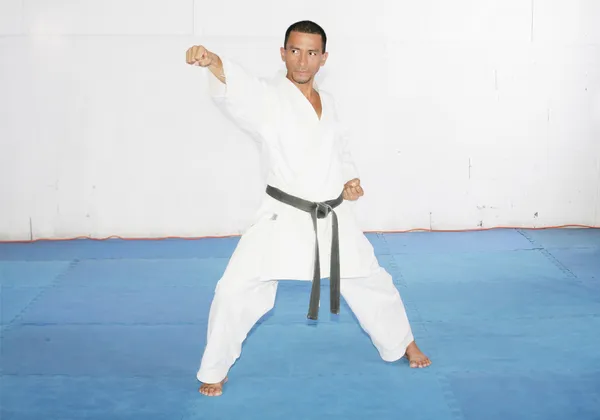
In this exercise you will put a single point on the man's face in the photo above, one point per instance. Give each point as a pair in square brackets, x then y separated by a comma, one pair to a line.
[303, 56]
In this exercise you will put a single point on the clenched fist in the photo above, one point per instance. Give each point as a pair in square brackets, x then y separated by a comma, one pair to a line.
[199, 56]
[353, 190]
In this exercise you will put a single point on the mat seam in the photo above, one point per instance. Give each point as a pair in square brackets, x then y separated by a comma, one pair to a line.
[449, 397]
[401, 283]
[550, 257]
[42, 292]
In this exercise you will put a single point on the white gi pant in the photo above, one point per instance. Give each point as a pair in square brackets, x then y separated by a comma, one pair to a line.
[240, 302]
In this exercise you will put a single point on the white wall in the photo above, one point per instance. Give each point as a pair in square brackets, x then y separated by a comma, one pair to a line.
[465, 113]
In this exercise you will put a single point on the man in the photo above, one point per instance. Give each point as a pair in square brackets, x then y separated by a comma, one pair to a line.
[305, 228]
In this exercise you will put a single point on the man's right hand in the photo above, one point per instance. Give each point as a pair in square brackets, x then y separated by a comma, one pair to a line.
[199, 56]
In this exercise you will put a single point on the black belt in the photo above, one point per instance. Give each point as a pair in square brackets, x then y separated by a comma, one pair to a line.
[318, 211]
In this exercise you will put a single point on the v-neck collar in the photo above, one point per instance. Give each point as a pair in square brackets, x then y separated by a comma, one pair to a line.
[306, 100]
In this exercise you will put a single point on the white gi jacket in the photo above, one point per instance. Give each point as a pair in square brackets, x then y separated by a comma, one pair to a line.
[306, 157]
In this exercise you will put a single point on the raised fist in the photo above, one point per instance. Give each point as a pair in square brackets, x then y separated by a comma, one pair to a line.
[198, 56]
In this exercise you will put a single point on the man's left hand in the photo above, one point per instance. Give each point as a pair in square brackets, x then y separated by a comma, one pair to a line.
[353, 190]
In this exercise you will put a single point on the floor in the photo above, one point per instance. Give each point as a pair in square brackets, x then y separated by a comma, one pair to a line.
[115, 330]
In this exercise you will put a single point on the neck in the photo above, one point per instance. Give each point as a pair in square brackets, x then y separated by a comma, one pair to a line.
[307, 88]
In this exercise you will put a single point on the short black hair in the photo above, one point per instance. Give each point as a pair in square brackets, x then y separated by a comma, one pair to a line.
[306, 27]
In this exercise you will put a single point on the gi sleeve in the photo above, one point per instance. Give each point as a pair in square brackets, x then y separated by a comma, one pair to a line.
[244, 97]
[349, 166]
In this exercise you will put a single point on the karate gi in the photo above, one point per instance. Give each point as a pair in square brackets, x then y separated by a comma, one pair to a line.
[307, 157]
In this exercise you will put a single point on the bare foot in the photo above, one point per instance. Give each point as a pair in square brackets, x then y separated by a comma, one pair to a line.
[213, 390]
[416, 357]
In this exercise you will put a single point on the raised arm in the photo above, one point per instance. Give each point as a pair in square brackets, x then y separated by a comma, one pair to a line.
[242, 96]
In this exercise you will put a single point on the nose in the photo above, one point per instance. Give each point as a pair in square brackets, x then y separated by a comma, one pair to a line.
[303, 59]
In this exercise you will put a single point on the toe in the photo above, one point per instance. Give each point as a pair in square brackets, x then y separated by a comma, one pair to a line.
[210, 390]
[420, 362]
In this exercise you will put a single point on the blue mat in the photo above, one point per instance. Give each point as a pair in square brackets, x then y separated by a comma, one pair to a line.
[22, 282]
[103, 350]
[539, 396]
[79, 397]
[139, 249]
[119, 248]
[331, 396]
[564, 238]
[115, 330]
[477, 267]
[456, 242]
